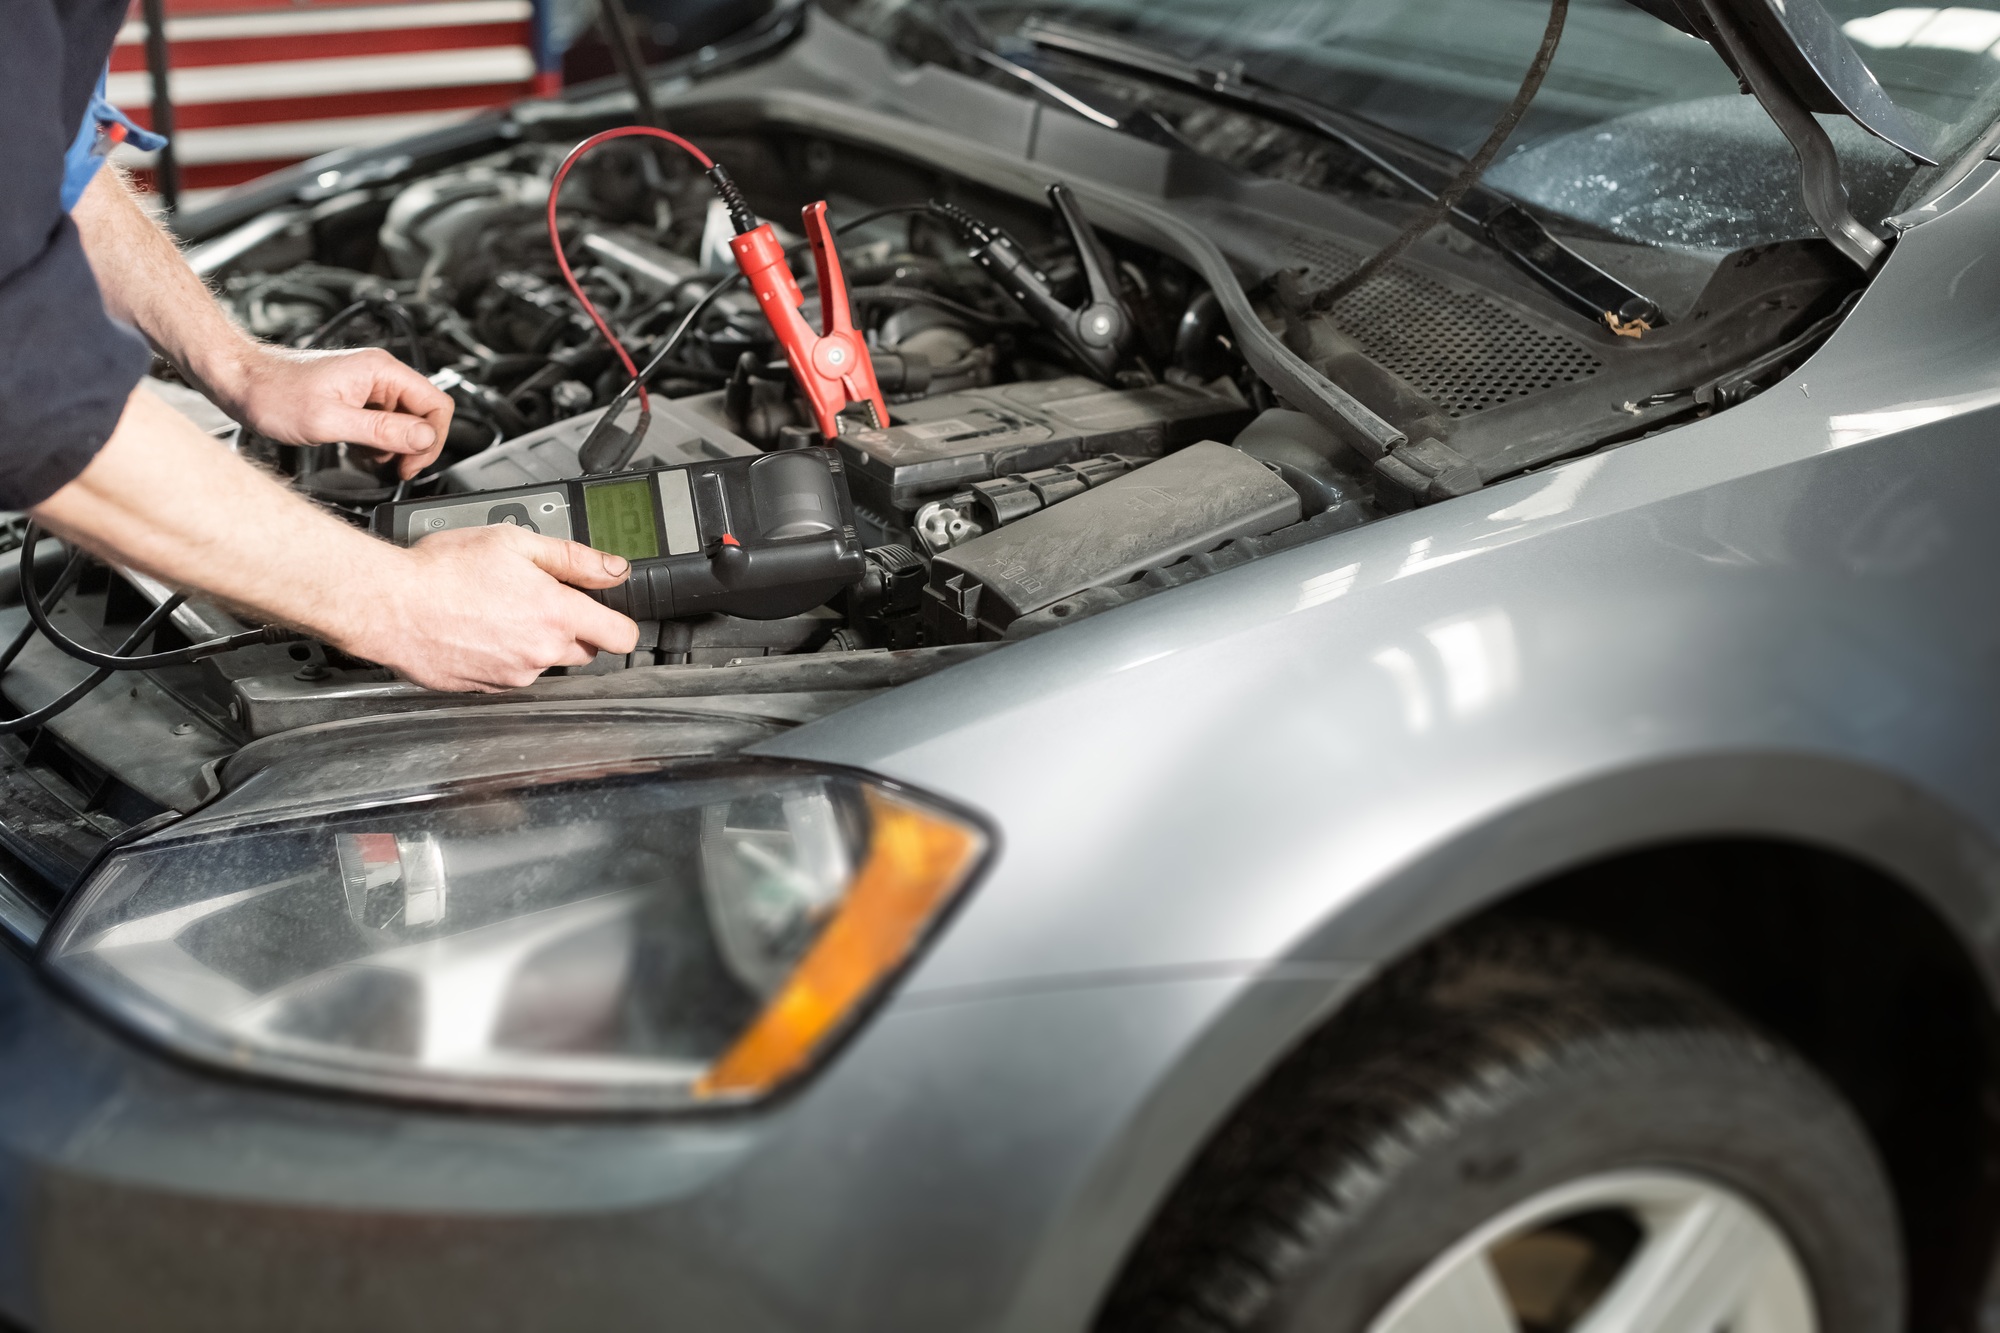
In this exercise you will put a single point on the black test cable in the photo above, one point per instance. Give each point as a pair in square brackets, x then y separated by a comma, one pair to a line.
[72, 570]
[892, 294]
[39, 615]
[26, 721]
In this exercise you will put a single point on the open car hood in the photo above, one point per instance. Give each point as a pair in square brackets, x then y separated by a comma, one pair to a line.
[1807, 51]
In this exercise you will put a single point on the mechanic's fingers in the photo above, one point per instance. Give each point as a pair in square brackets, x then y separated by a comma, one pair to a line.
[391, 432]
[576, 564]
[598, 625]
[435, 408]
[524, 674]
[414, 463]
[448, 682]
[402, 389]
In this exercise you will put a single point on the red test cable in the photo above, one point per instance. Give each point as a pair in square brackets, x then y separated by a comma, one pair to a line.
[555, 237]
[831, 364]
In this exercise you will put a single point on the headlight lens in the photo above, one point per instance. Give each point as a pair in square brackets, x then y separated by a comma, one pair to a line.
[678, 937]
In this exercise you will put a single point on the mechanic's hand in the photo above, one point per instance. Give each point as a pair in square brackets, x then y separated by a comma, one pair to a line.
[488, 609]
[364, 397]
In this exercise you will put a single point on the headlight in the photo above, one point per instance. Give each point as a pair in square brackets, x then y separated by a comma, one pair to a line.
[654, 939]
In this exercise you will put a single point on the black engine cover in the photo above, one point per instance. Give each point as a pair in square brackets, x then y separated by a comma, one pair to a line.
[942, 444]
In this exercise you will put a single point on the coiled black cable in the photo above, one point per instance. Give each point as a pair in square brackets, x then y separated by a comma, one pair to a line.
[72, 569]
[39, 615]
[28, 721]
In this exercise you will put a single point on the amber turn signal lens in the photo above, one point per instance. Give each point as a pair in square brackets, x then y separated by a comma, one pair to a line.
[917, 861]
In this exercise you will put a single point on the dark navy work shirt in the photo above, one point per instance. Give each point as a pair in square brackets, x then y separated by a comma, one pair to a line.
[66, 367]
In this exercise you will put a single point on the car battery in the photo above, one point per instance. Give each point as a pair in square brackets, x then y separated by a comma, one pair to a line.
[941, 444]
[684, 430]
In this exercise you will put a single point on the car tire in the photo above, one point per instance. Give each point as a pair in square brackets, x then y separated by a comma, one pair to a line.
[1526, 1068]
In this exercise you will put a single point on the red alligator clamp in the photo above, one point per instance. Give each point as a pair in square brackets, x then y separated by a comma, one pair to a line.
[831, 366]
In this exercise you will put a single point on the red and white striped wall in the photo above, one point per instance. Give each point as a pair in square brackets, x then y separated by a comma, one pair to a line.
[257, 87]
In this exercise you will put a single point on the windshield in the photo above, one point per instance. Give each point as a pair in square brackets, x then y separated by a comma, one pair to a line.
[1639, 131]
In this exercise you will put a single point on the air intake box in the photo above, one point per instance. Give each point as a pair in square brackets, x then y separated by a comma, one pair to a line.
[942, 444]
[1185, 503]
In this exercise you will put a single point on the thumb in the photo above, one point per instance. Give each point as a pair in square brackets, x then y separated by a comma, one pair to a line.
[395, 432]
[577, 564]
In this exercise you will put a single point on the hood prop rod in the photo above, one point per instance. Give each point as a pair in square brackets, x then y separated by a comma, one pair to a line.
[1819, 166]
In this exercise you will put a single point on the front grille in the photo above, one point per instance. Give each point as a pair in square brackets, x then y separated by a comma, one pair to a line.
[47, 824]
[1462, 352]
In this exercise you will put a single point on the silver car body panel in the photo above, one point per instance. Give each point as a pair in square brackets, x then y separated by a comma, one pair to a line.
[1221, 810]
[1778, 622]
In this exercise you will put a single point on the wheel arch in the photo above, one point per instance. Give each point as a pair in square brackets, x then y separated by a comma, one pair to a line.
[1856, 972]
[1845, 910]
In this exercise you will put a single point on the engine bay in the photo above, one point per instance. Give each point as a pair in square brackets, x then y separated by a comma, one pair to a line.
[1004, 411]
[1074, 420]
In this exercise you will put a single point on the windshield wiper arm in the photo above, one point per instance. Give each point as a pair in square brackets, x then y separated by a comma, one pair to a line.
[1054, 92]
[1485, 213]
[962, 31]
[1358, 134]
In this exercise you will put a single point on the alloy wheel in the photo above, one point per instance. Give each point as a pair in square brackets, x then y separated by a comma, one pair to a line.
[1619, 1252]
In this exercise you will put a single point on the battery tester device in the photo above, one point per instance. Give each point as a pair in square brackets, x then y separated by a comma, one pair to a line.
[761, 538]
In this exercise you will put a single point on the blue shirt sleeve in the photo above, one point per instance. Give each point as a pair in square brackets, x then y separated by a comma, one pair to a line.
[66, 367]
[95, 138]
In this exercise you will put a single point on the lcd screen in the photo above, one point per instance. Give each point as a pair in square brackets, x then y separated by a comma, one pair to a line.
[620, 515]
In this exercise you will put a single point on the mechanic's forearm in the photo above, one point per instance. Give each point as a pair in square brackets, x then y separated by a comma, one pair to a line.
[147, 283]
[164, 498]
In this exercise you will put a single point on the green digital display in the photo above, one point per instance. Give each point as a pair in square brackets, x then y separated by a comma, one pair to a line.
[620, 516]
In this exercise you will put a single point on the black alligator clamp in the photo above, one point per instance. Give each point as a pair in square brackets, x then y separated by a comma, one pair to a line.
[1098, 333]
[1101, 332]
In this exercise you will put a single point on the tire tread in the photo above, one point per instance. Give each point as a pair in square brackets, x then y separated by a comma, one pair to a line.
[1470, 1024]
